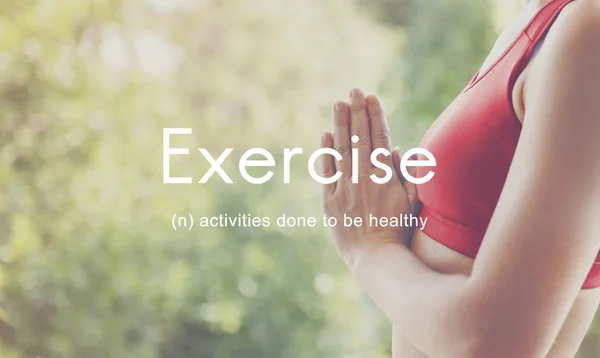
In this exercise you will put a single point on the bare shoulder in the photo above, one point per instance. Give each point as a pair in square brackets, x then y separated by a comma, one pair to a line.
[577, 28]
[568, 65]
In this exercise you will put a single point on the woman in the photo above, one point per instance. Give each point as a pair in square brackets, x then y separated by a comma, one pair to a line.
[507, 265]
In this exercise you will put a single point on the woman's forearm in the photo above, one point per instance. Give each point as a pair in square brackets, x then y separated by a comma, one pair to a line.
[536, 252]
[433, 310]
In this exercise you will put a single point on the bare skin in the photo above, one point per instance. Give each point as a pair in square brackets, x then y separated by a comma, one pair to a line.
[443, 259]
[443, 304]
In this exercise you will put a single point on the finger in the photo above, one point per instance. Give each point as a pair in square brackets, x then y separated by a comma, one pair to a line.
[341, 138]
[359, 129]
[380, 133]
[328, 164]
[396, 159]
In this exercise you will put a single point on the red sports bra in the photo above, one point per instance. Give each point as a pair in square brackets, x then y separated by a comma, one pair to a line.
[474, 141]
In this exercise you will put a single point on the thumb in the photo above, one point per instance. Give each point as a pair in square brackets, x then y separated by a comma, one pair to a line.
[411, 188]
[396, 157]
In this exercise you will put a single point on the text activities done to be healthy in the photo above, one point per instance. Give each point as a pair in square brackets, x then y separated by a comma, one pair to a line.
[248, 220]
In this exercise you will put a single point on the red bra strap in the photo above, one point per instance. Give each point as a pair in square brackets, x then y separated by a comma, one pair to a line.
[545, 17]
[536, 31]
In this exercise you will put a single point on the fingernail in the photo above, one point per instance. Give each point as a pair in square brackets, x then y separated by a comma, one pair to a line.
[372, 99]
[339, 106]
[356, 93]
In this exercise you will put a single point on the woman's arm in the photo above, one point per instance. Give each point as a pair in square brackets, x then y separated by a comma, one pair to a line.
[544, 234]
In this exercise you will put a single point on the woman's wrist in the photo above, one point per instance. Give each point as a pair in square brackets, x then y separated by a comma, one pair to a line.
[371, 244]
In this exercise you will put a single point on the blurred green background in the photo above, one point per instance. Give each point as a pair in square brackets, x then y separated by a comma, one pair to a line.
[89, 263]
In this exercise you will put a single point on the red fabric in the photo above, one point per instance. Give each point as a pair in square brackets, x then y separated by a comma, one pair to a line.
[474, 141]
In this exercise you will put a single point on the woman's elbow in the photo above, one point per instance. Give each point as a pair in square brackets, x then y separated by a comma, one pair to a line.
[493, 337]
[476, 330]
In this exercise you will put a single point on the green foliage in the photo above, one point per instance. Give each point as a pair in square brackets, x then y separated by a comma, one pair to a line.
[394, 13]
[444, 43]
[89, 263]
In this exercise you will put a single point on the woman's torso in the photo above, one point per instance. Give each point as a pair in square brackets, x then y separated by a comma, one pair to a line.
[442, 259]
